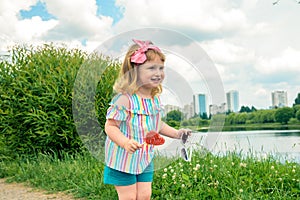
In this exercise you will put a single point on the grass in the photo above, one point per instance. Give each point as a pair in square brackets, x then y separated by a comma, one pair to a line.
[207, 176]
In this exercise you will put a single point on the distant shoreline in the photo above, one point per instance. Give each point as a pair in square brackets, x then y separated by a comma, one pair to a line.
[241, 127]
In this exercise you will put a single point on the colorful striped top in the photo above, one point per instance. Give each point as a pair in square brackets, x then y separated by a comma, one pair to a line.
[143, 116]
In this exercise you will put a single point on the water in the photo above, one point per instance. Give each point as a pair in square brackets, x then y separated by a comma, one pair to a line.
[284, 145]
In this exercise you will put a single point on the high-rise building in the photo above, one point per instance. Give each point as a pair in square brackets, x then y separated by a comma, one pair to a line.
[232, 98]
[199, 101]
[279, 99]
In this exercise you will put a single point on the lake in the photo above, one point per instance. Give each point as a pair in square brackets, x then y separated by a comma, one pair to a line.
[283, 144]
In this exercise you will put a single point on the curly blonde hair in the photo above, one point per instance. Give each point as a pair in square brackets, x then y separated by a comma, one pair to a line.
[127, 79]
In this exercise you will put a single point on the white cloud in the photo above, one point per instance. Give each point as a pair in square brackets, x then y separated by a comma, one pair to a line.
[78, 20]
[222, 51]
[75, 20]
[205, 16]
[9, 16]
[287, 61]
[31, 29]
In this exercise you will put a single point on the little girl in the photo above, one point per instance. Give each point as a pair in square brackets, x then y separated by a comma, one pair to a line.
[133, 112]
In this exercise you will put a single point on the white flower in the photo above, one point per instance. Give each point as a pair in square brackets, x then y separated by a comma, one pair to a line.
[172, 170]
[241, 190]
[182, 185]
[165, 169]
[164, 176]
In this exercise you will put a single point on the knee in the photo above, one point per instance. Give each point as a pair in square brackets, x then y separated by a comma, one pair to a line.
[144, 195]
[127, 196]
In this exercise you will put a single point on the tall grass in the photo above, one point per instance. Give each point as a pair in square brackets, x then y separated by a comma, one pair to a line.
[207, 176]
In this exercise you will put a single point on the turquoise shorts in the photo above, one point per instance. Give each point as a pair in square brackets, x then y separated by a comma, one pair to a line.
[118, 178]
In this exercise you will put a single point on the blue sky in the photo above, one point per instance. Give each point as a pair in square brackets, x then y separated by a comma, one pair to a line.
[254, 45]
[106, 8]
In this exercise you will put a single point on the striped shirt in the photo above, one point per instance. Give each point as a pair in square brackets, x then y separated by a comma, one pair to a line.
[143, 116]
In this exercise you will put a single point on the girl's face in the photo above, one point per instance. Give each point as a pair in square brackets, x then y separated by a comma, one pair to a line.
[151, 73]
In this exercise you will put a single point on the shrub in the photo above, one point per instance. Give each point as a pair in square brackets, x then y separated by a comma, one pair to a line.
[36, 89]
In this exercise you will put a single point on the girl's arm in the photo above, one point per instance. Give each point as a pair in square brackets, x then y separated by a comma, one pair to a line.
[172, 132]
[114, 133]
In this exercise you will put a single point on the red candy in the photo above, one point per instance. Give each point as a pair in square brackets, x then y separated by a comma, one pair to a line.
[154, 138]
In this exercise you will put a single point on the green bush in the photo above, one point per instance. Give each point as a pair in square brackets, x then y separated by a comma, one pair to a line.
[36, 89]
[298, 115]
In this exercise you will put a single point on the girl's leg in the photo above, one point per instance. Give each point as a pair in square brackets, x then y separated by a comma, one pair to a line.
[144, 190]
[128, 192]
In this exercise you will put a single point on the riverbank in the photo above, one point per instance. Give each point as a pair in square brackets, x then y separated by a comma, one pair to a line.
[246, 127]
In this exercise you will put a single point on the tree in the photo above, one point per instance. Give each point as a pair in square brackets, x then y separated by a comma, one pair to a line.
[175, 115]
[253, 109]
[204, 116]
[298, 115]
[245, 109]
[283, 115]
[297, 100]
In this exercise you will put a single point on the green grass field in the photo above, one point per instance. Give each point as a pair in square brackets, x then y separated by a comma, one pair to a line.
[207, 176]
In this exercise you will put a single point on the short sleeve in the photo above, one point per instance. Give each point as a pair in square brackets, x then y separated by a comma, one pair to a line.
[118, 109]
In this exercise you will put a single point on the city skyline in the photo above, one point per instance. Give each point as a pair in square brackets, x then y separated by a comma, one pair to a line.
[278, 99]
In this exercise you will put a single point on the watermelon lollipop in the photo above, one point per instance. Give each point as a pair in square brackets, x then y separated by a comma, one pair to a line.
[154, 138]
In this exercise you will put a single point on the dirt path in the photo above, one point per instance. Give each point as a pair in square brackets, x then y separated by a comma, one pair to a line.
[18, 191]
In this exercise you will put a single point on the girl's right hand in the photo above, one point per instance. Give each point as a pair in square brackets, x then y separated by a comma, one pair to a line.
[131, 146]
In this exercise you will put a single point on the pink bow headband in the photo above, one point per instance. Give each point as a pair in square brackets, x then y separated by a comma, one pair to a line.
[139, 55]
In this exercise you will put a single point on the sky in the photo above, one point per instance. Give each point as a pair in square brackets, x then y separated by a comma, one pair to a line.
[254, 45]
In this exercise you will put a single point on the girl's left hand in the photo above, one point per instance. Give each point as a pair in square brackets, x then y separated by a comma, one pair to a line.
[184, 132]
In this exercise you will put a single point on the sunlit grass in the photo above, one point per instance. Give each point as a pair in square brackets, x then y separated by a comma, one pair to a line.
[207, 176]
